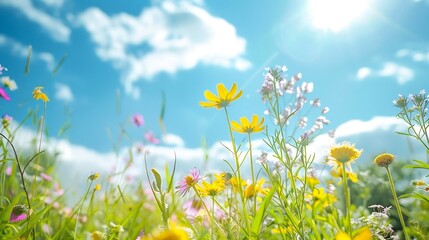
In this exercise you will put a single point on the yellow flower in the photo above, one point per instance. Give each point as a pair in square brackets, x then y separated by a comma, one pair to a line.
[97, 235]
[344, 153]
[169, 234]
[320, 199]
[94, 176]
[212, 189]
[235, 183]
[248, 127]
[384, 160]
[338, 173]
[364, 234]
[253, 189]
[224, 96]
[38, 94]
[97, 187]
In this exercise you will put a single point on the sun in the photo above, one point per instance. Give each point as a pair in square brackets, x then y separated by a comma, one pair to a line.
[335, 15]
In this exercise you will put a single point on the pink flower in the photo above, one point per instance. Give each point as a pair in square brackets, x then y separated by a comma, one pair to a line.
[4, 95]
[46, 177]
[189, 181]
[137, 119]
[19, 213]
[192, 207]
[8, 171]
[151, 138]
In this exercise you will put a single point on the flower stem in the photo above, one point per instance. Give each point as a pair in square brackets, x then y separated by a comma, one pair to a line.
[347, 199]
[398, 207]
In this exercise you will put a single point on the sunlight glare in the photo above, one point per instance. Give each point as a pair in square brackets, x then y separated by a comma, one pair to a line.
[335, 15]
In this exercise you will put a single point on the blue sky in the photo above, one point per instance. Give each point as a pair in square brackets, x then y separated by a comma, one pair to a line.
[180, 48]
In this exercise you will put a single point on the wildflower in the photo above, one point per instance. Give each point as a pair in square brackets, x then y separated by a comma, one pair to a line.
[38, 94]
[4, 95]
[224, 97]
[315, 102]
[418, 99]
[248, 127]
[97, 235]
[235, 183]
[116, 227]
[8, 171]
[364, 234]
[192, 207]
[172, 233]
[337, 173]
[253, 189]
[322, 199]
[212, 189]
[384, 160]
[344, 153]
[137, 119]
[9, 83]
[6, 120]
[188, 182]
[151, 138]
[1, 69]
[46, 177]
[94, 176]
[97, 187]
[262, 159]
[325, 110]
[401, 102]
[19, 213]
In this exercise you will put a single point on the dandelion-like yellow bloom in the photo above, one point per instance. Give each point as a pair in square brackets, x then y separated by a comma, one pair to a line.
[97, 187]
[364, 234]
[236, 182]
[223, 98]
[38, 94]
[172, 233]
[344, 153]
[248, 127]
[253, 189]
[384, 160]
[211, 189]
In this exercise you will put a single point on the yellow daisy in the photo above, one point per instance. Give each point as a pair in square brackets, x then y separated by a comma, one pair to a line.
[223, 98]
[38, 94]
[248, 127]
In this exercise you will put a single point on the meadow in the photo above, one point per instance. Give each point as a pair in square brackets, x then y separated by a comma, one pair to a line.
[280, 194]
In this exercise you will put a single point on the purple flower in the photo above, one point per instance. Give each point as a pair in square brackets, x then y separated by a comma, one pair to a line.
[137, 120]
[19, 213]
[4, 95]
[189, 181]
[46, 177]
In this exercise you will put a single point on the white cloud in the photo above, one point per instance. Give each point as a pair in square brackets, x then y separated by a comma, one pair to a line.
[21, 50]
[167, 37]
[174, 140]
[363, 73]
[416, 56]
[402, 74]
[63, 92]
[52, 25]
[53, 3]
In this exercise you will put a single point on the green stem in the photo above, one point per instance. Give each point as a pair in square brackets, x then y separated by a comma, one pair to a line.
[237, 163]
[347, 199]
[398, 207]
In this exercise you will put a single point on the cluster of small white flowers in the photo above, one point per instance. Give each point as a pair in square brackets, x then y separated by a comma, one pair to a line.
[378, 222]
[276, 85]
[275, 165]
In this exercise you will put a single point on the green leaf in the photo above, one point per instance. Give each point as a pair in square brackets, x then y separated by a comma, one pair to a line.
[158, 179]
[259, 217]
[420, 165]
[416, 196]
